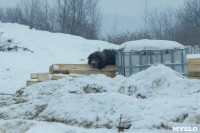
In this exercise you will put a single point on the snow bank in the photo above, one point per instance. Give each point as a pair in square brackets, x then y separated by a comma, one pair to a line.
[155, 99]
[146, 44]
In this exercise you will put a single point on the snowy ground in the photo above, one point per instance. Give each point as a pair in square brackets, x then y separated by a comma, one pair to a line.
[48, 48]
[154, 100]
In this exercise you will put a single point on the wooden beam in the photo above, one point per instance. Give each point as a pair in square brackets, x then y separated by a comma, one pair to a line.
[28, 83]
[86, 72]
[194, 77]
[194, 61]
[194, 74]
[193, 67]
[109, 70]
[41, 76]
[56, 77]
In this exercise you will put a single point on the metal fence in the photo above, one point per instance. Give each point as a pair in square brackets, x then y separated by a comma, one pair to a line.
[128, 63]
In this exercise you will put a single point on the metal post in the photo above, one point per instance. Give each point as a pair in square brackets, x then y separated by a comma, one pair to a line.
[124, 65]
[173, 59]
[140, 61]
[130, 54]
[182, 61]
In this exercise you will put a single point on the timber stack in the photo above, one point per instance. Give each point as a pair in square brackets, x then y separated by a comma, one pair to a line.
[194, 68]
[58, 71]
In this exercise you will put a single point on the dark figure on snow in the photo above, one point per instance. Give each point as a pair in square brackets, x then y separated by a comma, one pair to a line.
[101, 59]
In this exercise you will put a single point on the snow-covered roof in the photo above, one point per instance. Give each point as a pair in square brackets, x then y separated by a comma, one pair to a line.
[146, 44]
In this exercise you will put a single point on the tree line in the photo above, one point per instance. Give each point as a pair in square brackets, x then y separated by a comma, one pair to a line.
[76, 17]
[182, 25]
[83, 18]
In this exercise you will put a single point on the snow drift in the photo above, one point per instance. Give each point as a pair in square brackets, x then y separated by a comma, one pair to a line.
[144, 100]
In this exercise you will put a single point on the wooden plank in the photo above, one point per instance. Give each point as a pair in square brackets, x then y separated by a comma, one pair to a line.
[34, 75]
[37, 75]
[84, 72]
[194, 74]
[109, 70]
[56, 77]
[28, 83]
[194, 61]
[44, 76]
[63, 68]
[194, 77]
[193, 68]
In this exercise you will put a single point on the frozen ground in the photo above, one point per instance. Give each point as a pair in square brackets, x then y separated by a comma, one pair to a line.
[154, 100]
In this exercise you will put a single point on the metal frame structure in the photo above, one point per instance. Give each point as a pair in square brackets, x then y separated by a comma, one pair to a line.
[121, 67]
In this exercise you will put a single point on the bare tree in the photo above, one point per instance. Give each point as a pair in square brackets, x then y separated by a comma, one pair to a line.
[163, 24]
[76, 17]
[189, 23]
[146, 16]
[79, 17]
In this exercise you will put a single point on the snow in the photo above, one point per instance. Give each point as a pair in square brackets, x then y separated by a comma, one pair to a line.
[192, 56]
[152, 101]
[146, 44]
[145, 102]
[48, 48]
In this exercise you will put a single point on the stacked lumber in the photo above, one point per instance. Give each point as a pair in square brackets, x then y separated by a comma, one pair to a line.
[194, 68]
[58, 71]
[83, 69]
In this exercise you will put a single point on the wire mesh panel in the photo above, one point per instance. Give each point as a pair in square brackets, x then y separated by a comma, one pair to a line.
[128, 63]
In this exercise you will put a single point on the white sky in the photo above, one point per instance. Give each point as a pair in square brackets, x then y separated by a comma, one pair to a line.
[122, 14]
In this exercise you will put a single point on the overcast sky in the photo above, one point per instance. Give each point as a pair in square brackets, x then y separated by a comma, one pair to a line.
[128, 15]
[122, 14]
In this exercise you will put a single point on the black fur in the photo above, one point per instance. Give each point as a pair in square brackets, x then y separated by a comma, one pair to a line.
[101, 59]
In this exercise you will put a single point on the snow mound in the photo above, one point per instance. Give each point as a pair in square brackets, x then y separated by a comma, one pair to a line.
[150, 100]
[146, 44]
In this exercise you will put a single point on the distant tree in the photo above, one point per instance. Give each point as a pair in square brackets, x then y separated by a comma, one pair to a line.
[76, 17]
[189, 23]
[79, 17]
[146, 17]
[2, 15]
